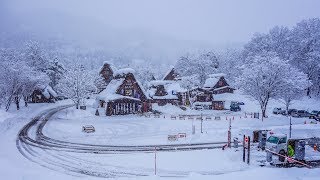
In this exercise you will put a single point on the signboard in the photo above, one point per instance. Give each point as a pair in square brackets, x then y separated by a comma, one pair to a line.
[172, 137]
[182, 135]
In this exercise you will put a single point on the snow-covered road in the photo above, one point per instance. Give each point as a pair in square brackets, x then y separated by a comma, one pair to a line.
[55, 142]
[62, 155]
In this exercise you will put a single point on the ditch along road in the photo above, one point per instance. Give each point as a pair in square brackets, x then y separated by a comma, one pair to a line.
[66, 156]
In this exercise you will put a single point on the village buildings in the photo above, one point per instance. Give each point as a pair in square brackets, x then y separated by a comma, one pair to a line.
[123, 93]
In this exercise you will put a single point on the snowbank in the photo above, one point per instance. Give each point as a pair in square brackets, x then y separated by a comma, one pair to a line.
[4, 115]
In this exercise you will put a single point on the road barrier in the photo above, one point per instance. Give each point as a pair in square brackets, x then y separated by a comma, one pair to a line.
[289, 159]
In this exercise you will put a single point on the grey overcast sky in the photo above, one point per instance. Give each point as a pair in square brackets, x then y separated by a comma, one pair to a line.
[214, 21]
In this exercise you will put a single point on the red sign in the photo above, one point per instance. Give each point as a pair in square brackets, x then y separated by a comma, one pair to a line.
[246, 139]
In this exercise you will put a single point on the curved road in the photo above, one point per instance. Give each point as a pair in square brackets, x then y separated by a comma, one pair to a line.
[57, 154]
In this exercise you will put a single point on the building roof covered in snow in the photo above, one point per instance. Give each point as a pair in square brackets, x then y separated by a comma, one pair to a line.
[107, 63]
[171, 75]
[116, 88]
[49, 92]
[110, 93]
[123, 72]
[213, 79]
[169, 88]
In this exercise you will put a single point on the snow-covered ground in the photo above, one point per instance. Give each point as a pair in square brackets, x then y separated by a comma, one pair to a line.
[136, 130]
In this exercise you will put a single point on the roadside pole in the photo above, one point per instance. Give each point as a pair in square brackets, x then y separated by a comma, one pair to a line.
[201, 123]
[290, 128]
[229, 134]
[244, 148]
[155, 161]
[248, 157]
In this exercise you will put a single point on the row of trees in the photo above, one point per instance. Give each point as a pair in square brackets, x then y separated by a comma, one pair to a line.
[24, 70]
[195, 68]
[281, 64]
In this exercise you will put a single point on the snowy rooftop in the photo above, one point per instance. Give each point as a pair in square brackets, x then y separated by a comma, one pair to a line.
[48, 91]
[159, 82]
[124, 71]
[171, 87]
[113, 68]
[211, 82]
[110, 93]
[168, 72]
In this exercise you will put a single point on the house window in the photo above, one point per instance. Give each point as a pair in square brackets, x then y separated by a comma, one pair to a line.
[128, 92]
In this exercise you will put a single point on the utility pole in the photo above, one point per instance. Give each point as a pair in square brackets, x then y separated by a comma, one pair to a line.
[229, 134]
[201, 123]
[248, 157]
[290, 128]
[244, 148]
[155, 161]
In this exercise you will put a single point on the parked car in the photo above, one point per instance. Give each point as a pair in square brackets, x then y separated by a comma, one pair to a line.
[278, 111]
[59, 98]
[291, 111]
[314, 114]
[301, 113]
[241, 103]
[235, 107]
[237, 102]
[198, 107]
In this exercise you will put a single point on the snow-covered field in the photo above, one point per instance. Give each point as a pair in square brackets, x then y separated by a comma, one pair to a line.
[136, 130]
[139, 130]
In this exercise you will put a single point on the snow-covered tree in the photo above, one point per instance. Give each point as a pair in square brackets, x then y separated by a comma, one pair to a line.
[77, 84]
[15, 84]
[35, 57]
[201, 65]
[300, 46]
[267, 77]
[306, 51]
[100, 83]
[230, 61]
[294, 88]
[55, 72]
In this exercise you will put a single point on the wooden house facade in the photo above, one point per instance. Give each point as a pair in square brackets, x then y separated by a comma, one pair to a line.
[200, 96]
[217, 84]
[123, 95]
